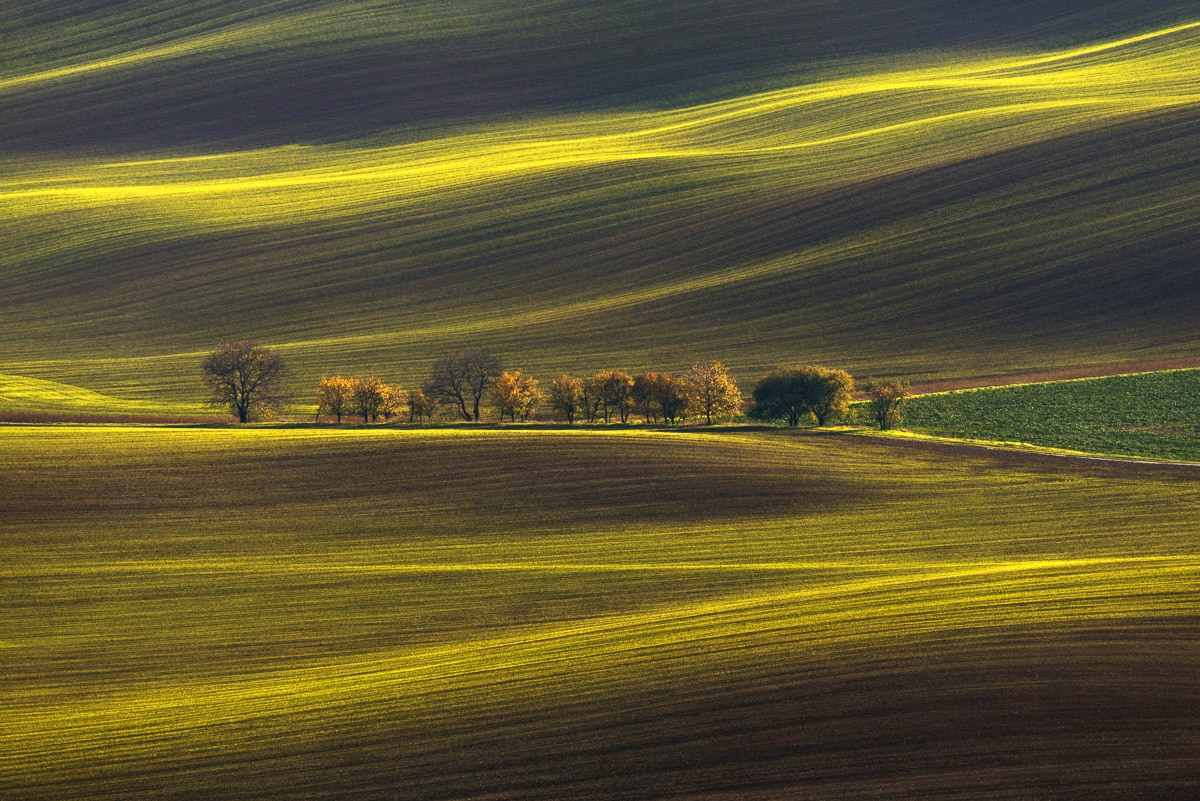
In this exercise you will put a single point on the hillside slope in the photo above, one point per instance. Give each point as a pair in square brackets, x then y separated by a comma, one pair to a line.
[381, 613]
[121, 76]
[934, 212]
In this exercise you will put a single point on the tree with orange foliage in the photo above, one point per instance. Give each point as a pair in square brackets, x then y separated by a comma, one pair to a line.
[395, 402]
[516, 395]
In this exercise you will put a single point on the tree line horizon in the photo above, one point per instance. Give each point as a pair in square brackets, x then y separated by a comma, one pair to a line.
[247, 379]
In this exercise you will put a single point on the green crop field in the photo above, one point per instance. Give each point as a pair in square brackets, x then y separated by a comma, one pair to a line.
[303, 613]
[1149, 414]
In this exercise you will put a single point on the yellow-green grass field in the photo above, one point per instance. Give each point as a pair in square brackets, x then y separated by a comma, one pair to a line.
[938, 213]
[111, 76]
[301, 612]
[939, 190]
[34, 396]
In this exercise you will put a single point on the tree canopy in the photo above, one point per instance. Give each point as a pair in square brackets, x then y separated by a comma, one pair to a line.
[516, 395]
[659, 395]
[794, 393]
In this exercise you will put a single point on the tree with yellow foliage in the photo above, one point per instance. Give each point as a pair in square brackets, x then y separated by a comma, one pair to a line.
[711, 392]
[516, 395]
[335, 397]
[395, 403]
[887, 400]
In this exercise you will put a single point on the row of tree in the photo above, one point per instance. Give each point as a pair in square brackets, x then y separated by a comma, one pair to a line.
[464, 384]
[245, 378]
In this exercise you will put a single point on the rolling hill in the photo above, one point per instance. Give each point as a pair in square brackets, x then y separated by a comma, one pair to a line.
[322, 613]
[940, 189]
[938, 193]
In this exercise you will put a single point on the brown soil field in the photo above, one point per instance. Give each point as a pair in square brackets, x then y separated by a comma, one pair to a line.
[1063, 374]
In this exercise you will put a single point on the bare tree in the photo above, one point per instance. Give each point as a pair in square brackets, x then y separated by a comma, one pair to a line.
[244, 378]
[460, 380]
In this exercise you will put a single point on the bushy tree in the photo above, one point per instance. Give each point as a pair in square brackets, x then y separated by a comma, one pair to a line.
[245, 378]
[335, 397]
[833, 391]
[516, 395]
[711, 392]
[793, 393]
[659, 394]
[567, 396]
[461, 380]
[886, 400]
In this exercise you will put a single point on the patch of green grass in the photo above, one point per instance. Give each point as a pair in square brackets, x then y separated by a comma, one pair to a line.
[1148, 414]
[265, 611]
